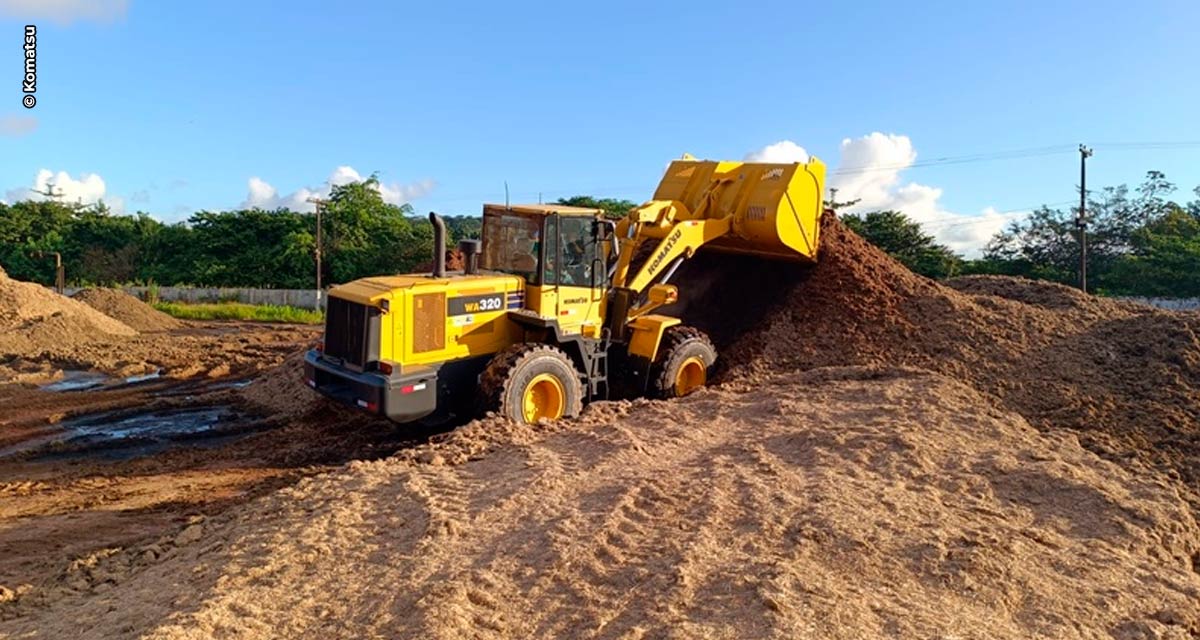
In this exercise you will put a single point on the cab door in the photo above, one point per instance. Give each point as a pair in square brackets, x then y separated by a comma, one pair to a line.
[576, 269]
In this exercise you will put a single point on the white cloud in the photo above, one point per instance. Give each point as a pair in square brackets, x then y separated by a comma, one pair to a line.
[869, 170]
[88, 188]
[261, 194]
[64, 11]
[11, 125]
[782, 151]
[970, 234]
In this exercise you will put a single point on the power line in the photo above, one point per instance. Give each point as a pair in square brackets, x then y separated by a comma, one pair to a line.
[972, 158]
[963, 159]
[1014, 214]
[1186, 144]
[1016, 154]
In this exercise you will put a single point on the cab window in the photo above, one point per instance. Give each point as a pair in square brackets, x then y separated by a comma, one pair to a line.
[576, 249]
[512, 244]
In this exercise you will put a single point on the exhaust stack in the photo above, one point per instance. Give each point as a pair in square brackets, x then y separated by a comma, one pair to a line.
[439, 245]
[470, 252]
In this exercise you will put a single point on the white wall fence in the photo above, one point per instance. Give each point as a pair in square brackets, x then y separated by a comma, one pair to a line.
[303, 298]
[307, 298]
[1173, 304]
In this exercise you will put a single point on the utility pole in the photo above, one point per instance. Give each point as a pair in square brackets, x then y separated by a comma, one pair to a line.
[1081, 220]
[50, 192]
[833, 199]
[60, 274]
[319, 203]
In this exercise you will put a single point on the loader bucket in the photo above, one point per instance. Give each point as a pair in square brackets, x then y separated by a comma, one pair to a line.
[776, 207]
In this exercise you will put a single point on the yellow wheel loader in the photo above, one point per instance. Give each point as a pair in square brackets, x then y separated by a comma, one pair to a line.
[555, 305]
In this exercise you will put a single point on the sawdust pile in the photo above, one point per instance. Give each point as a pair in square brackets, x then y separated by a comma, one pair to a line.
[1126, 375]
[42, 333]
[887, 457]
[34, 319]
[1049, 295]
[281, 390]
[840, 503]
[118, 304]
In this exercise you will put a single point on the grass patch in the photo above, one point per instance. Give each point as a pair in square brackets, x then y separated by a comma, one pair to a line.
[240, 311]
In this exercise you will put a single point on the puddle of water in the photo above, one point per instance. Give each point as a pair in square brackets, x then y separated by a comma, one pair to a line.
[144, 377]
[233, 384]
[158, 425]
[121, 436]
[77, 381]
[191, 389]
[73, 380]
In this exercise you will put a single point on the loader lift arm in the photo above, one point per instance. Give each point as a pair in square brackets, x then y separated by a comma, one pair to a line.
[676, 239]
[770, 210]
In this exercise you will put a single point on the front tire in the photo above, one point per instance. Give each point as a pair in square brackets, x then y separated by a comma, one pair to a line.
[531, 382]
[684, 360]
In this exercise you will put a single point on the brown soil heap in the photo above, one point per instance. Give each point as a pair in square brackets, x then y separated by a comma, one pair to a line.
[1125, 375]
[128, 309]
[840, 503]
[886, 457]
[34, 319]
[281, 390]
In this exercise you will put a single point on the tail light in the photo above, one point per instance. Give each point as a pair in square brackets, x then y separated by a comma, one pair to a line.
[385, 368]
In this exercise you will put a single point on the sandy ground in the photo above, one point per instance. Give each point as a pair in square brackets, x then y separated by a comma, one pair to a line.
[841, 503]
[884, 456]
[59, 503]
[122, 306]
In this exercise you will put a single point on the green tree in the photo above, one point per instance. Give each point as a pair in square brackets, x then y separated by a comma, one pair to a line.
[612, 207]
[461, 227]
[904, 240]
[27, 228]
[363, 235]
[251, 248]
[1045, 245]
[1164, 260]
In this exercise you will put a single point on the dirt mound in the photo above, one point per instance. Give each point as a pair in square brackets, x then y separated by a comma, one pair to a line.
[128, 309]
[848, 503]
[1048, 295]
[34, 319]
[1126, 375]
[281, 390]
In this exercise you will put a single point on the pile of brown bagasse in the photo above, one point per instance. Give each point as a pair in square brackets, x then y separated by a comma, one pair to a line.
[43, 333]
[128, 309]
[884, 457]
[1124, 377]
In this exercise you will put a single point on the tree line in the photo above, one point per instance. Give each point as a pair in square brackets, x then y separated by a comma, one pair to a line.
[361, 235]
[1141, 242]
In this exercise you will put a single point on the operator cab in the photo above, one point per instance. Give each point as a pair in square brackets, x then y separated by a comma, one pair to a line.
[547, 245]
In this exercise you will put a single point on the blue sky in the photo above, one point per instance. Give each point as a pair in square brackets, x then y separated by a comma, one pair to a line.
[171, 107]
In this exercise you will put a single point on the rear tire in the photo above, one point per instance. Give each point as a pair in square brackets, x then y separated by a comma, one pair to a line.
[683, 363]
[531, 382]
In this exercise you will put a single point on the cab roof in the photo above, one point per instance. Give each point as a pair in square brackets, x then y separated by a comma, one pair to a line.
[542, 209]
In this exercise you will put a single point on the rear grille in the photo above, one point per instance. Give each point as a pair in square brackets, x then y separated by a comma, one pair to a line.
[351, 332]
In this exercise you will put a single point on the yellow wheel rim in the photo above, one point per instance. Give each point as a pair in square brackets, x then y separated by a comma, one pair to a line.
[544, 398]
[691, 376]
